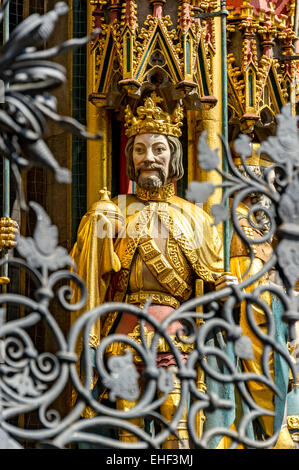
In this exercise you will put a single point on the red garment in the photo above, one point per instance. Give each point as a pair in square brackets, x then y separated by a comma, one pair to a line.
[128, 322]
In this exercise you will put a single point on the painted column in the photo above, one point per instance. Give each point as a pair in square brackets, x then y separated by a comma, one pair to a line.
[98, 151]
[210, 119]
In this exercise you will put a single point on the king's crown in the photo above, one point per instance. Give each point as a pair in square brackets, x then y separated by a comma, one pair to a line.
[151, 119]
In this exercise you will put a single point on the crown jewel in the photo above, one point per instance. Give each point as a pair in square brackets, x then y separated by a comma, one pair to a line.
[152, 119]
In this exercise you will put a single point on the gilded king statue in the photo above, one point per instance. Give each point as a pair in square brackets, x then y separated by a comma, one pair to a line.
[151, 244]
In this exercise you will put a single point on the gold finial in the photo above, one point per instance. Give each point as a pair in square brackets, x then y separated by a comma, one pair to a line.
[108, 208]
[104, 194]
[152, 119]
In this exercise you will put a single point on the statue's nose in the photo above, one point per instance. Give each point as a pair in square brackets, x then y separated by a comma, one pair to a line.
[150, 157]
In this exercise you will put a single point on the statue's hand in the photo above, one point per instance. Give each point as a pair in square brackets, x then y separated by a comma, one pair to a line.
[225, 280]
[9, 231]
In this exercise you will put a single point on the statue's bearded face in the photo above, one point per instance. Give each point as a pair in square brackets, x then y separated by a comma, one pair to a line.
[151, 157]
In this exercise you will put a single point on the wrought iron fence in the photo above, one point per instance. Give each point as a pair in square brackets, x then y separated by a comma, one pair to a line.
[31, 380]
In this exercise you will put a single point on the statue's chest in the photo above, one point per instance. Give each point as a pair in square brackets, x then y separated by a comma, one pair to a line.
[150, 249]
[159, 265]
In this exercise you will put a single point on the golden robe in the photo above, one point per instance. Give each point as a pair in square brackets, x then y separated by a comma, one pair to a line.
[105, 263]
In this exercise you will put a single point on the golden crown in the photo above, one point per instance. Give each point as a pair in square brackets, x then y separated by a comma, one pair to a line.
[151, 119]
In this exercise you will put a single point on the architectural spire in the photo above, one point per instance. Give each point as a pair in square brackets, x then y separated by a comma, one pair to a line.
[157, 8]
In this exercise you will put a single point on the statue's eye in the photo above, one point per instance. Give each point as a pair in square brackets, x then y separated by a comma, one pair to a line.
[160, 149]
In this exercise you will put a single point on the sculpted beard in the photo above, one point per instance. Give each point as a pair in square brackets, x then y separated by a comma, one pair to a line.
[151, 182]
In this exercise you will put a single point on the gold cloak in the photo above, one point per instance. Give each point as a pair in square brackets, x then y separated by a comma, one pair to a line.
[99, 258]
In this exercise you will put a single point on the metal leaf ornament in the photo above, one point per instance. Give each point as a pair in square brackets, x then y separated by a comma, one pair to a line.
[165, 381]
[288, 259]
[283, 147]
[28, 78]
[199, 192]
[208, 159]
[24, 384]
[123, 381]
[242, 145]
[288, 209]
[220, 213]
[243, 348]
[42, 251]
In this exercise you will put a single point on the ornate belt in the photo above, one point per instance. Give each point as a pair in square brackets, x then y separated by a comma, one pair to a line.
[160, 298]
